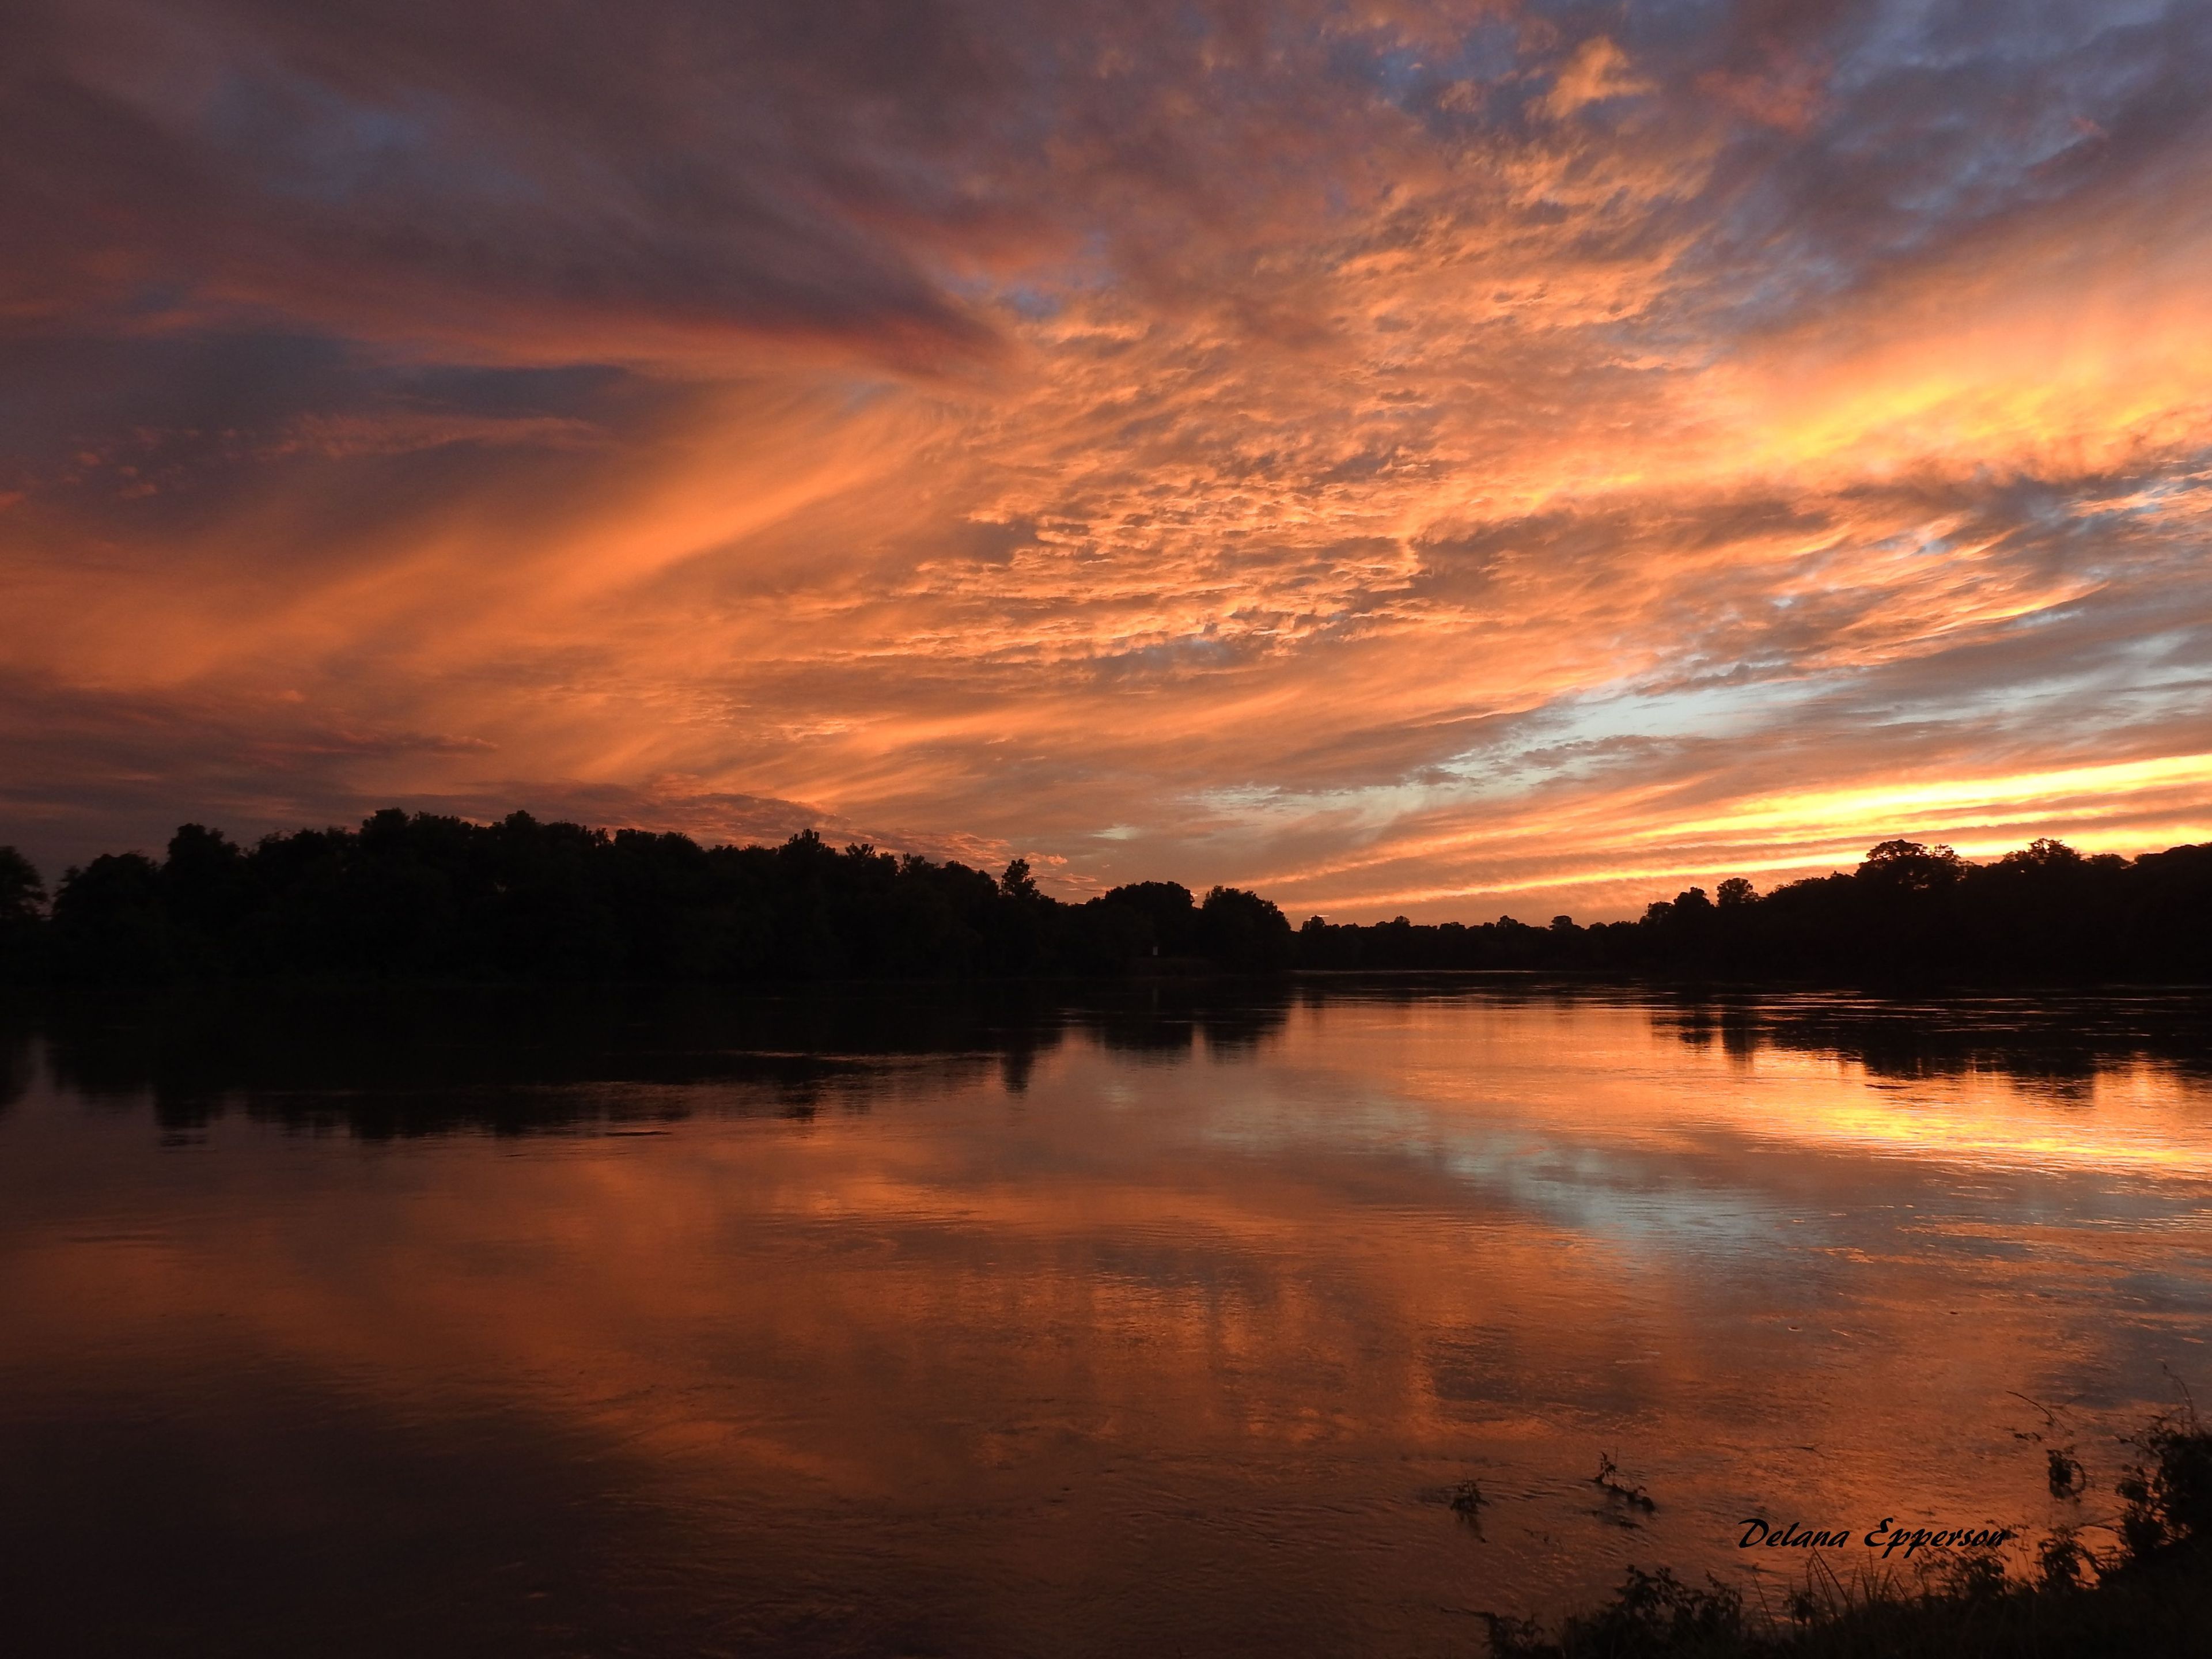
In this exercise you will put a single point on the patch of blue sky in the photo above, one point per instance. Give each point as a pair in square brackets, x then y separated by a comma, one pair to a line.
[1915, 35]
[1573, 730]
[1043, 290]
[1411, 76]
[2152, 500]
[1244, 810]
[1655, 23]
[1247, 804]
[2141, 679]
[1755, 284]
[1400, 69]
[334, 147]
[1029, 301]
[1170, 656]
[1567, 737]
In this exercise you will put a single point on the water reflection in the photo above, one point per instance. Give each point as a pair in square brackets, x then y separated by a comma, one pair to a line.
[997, 1325]
[2062, 1042]
[406, 1061]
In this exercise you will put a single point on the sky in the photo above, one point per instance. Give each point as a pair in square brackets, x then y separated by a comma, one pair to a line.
[1438, 459]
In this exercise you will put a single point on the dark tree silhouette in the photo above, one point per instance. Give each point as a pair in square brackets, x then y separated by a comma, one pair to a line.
[1159, 917]
[426, 897]
[110, 922]
[22, 918]
[1243, 931]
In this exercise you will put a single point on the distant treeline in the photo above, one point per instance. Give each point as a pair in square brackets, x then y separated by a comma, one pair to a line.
[1908, 912]
[427, 897]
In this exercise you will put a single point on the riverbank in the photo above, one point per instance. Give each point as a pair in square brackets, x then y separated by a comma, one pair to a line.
[2150, 1594]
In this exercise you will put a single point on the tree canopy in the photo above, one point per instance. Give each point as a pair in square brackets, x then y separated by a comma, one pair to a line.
[424, 896]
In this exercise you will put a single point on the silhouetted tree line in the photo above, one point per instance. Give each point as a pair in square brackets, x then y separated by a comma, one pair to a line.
[1909, 911]
[432, 897]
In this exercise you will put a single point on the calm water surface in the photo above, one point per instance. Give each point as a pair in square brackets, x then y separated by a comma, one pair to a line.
[971, 1326]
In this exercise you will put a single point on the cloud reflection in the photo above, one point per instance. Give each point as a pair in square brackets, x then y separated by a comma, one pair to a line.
[1184, 1334]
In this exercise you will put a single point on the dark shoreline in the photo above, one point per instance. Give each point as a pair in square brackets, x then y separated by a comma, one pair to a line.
[2149, 1594]
[442, 899]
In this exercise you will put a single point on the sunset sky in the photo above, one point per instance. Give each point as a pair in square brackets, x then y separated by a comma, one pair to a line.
[1410, 457]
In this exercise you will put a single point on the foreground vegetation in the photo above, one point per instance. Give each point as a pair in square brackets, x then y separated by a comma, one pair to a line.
[2149, 1594]
[432, 897]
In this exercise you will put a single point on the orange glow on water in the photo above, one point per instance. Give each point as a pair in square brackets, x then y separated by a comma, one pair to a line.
[1258, 1300]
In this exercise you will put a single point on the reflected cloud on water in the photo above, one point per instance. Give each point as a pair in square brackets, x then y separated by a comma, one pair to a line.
[996, 1322]
[403, 1062]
